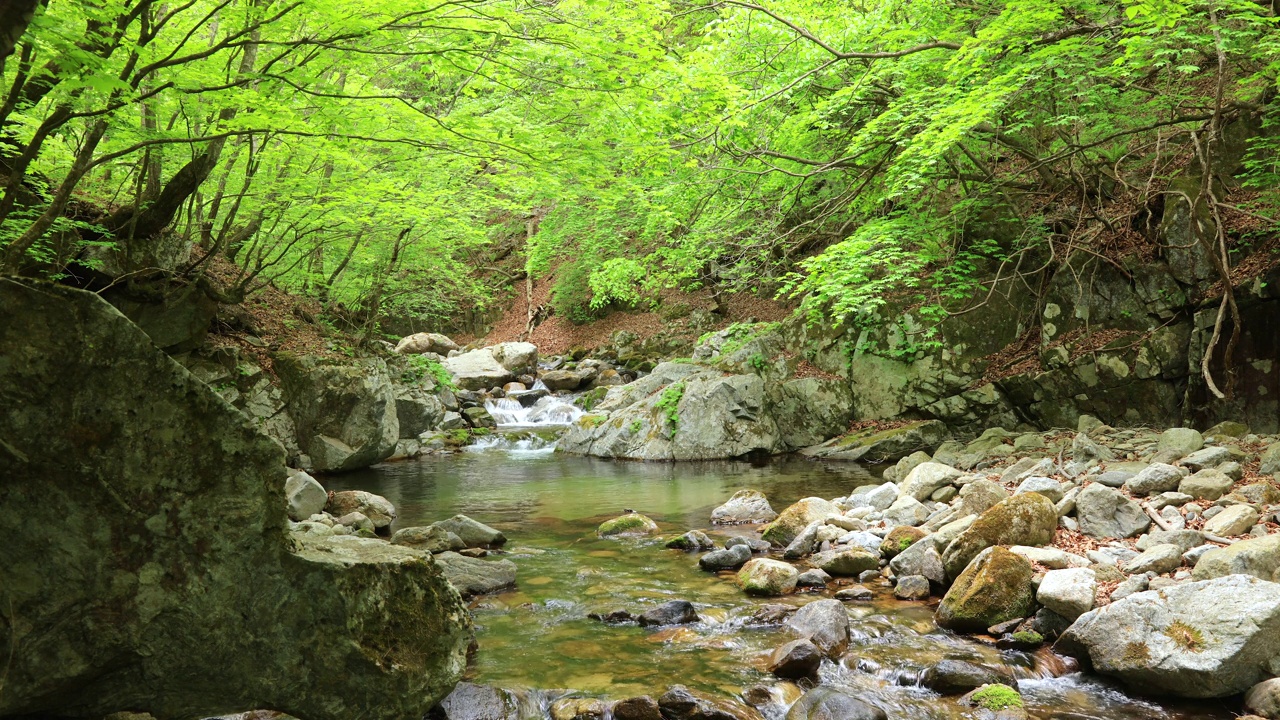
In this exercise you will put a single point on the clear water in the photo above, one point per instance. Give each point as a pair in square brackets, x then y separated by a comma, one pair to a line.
[539, 636]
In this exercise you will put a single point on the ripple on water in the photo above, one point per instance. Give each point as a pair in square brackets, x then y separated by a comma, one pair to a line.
[539, 636]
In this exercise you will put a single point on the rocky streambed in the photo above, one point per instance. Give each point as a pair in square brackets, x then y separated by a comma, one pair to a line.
[1027, 567]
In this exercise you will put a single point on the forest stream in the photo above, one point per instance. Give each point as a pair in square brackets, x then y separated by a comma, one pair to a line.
[538, 639]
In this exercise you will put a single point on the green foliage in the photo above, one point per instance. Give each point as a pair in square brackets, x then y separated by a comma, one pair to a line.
[589, 399]
[668, 405]
[420, 367]
[997, 697]
[1029, 637]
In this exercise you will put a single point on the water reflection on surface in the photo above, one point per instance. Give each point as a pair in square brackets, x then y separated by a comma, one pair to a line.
[539, 636]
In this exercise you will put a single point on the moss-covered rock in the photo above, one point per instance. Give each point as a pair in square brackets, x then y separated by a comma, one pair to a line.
[881, 446]
[899, 539]
[629, 524]
[146, 562]
[766, 577]
[994, 588]
[795, 518]
[1026, 519]
[849, 563]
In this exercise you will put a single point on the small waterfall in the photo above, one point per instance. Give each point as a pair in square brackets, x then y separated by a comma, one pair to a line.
[549, 410]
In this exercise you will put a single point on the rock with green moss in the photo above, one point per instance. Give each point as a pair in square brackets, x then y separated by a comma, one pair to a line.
[768, 578]
[899, 539]
[1211, 638]
[796, 518]
[881, 446]
[994, 697]
[1026, 519]
[166, 506]
[631, 524]
[994, 588]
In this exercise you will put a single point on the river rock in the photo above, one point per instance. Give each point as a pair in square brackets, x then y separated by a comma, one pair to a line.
[826, 623]
[375, 507]
[859, 593]
[922, 558]
[357, 521]
[876, 497]
[1205, 458]
[1258, 557]
[473, 576]
[1177, 443]
[1211, 638]
[762, 576]
[571, 708]
[521, 358]
[796, 659]
[1027, 519]
[848, 563]
[477, 370]
[746, 506]
[692, 541]
[755, 544]
[927, 478]
[146, 564]
[795, 518]
[474, 534]
[730, 558]
[805, 542]
[425, 342]
[419, 407]
[344, 411]
[1269, 462]
[470, 701]
[827, 703]
[1184, 539]
[681, 703]
[1158, 559]
[1045, 486]
[305, 496]
[813, 578]
[1234, 520]
[994, 588]
[899, 539]
[557, 380]
[1104, 512]
[906, 510]
[1050, 557]
[631, 524]
[432, 539]
[912, 587]
[979, 496]
[1153, 479]
[675, 612]
[1264, 699]
[641, 707]
[1070, 593]
[957, 677]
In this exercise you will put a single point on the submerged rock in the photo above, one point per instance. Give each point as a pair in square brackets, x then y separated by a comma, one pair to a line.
[1205, 639]
[957, 677]
[629, 524]
[828, 703]
[681, 703]
[189, 597]
[473, 576]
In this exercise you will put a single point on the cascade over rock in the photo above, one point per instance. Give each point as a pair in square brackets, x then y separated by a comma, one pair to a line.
[147, 565]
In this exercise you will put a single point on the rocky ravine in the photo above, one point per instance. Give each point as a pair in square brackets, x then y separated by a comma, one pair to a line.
[147, 565]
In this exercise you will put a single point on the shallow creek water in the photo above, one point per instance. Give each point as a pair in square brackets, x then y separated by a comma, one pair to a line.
[539, 637]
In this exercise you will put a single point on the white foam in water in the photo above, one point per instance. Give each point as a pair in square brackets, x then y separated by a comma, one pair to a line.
[526, 446]
[547, 411]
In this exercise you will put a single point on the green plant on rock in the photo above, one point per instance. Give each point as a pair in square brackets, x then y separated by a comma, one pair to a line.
[588, 400]
[1185, 636]
[997, 697]
[421, 367]
[668, 404]
[1028, 637]
[758, 362]
[636, 425]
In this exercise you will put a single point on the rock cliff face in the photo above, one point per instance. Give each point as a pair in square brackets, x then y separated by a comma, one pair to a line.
[345, 412]
[146, 562]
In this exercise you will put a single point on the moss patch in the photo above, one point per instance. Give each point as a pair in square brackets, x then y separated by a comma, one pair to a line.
[1029, 637]
[996, 697]
[1185, 636]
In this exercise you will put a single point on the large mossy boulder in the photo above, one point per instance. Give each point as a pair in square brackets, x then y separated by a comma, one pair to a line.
[994, 588]
[629, 525]
[768, 578]
[344, 410]
[147, 566]
[1211, 638]
[1027, 519]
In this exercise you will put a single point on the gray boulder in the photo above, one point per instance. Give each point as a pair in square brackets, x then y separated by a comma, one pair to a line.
[1158, 559]
[344, 411]
[146, 565]
[478, 370]
[746, 506]
[431, 539]
[474, 534]
[1070, 592]
[1204, 458]
[927, 478]
[825, 623]
[796, 659]
[1234, 520]
[520, 358]
[828, 703]
[1105, 512]
[418, 408]
[1259, 557]
[1212, 638]
[305, 496]
[1264, 699]
[1155, 478]
[1177, 443]
[674, 612]
[425, 342]
[473, 576]
[731, 558]
[923, 559]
